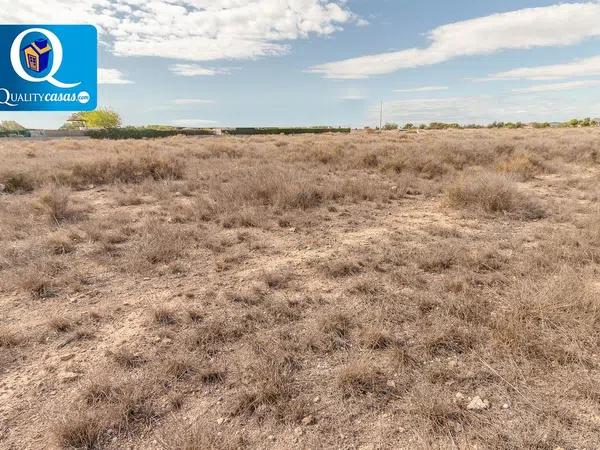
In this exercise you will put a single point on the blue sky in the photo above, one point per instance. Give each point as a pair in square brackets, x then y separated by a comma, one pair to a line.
[312, 62]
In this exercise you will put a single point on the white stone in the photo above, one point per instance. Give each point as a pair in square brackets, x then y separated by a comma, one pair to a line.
[477, 404]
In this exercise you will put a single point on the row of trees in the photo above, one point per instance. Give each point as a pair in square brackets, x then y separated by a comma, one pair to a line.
[574, 123]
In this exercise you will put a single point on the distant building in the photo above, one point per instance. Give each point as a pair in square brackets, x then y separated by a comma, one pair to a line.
[37, 55]
[75, 122]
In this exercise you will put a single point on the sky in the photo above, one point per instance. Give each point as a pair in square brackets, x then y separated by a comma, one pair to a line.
[218, 63]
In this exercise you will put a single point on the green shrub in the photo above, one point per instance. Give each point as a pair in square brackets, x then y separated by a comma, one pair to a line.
[312, 130]
[142, 133]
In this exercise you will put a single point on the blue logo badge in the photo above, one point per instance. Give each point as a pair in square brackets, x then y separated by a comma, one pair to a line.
[48, 67]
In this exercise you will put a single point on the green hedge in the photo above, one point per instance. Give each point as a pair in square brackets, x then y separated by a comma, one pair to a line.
[142, 133]
[22, 133]
[314, 130]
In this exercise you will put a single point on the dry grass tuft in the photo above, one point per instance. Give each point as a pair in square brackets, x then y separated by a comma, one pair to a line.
[493, 194]
[159, 244]
[61, 324]
[126, 170]
[522, 166]
[164, 315]
[442, 415]
[343, 267]
[362, 378]
[82, 430]
[376, 338]
[60, 243]
[57, 205]
[10, 338]
[128, 359]
[17, 183]
[278, 279]
[203, 436]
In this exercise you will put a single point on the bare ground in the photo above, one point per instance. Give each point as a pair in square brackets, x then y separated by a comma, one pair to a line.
[305, 292]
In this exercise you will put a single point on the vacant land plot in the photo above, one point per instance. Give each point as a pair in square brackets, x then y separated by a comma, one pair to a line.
[364, 291]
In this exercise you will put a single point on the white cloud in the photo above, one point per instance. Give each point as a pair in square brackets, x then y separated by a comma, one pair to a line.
[195, 70]
[111, 76]
[424, 89]
[488, 108]
[192, 101]
[554, 87]
[578, 68]
[557, 25]
[194, 30]
[192, 122]
[352, 94]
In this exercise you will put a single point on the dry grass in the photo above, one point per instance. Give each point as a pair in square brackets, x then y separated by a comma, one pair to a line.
[493, 194]
[267, 292]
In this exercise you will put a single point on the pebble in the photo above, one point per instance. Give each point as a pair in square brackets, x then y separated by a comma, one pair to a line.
[67, 357]
[317, 399]
[309, 420]
[298, 431]
[391, 383]
[220, 420]
[477, 404]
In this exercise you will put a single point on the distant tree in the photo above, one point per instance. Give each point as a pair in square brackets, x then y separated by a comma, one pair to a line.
[390, 126]
[11, 125]
[100, 118]
[409, 126]
[160, 127]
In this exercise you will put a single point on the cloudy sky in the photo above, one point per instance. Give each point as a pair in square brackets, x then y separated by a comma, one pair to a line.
[311, 62]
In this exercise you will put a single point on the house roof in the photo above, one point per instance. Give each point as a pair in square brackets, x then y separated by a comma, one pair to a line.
[40, 46]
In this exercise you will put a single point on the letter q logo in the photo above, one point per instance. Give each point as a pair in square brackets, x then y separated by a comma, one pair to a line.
[15, 59]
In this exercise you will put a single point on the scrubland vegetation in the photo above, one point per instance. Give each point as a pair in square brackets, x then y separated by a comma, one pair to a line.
[364, 291]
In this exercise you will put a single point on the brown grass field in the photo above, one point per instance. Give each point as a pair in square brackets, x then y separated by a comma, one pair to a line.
[434, 290]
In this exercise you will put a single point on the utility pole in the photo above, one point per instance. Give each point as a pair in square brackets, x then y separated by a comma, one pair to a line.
[381, 117]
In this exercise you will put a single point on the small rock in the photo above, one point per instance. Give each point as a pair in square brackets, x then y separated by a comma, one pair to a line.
[220, 421]
[317, 399]
[309, 420]
[459, 396]
[272, 438]
[67, 357]
[477, 404]
[391, 383]
[298, 431]
[505, 406]
[68, 377]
